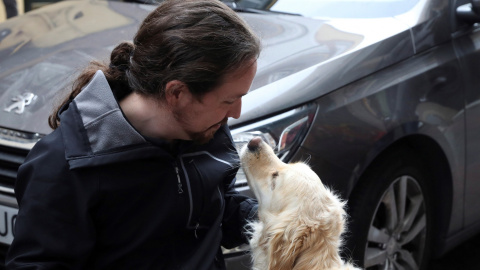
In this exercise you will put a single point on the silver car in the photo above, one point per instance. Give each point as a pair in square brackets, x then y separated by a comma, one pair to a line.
[380, 97]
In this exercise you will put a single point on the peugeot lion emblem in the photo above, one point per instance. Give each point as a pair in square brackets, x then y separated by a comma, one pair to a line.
[20, 101]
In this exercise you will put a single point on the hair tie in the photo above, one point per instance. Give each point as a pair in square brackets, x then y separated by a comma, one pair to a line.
[122, 67]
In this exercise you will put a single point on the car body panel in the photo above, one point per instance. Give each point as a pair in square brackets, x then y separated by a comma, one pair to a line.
[34, 60]
[373, 114]
[320, 79]
[430, 23]
[468, 48]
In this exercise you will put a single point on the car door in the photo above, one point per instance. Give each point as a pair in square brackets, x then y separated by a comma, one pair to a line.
[467, 46]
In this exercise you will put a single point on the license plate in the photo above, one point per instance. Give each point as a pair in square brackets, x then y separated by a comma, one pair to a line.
[8, 215]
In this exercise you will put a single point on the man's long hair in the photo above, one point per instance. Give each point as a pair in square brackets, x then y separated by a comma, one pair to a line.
[196, 42]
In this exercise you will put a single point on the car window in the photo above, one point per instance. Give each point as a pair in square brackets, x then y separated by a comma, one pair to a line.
[332, 8]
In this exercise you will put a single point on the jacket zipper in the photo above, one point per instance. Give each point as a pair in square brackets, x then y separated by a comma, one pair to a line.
[202, 201]
[196, 227]
[180, 189]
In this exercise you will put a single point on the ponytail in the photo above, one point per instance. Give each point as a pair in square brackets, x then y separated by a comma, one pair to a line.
[116, 74]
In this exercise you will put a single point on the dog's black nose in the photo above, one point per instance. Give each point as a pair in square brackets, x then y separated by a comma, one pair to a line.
[254, 143]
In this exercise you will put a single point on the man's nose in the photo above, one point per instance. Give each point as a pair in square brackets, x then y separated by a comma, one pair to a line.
[236, 110]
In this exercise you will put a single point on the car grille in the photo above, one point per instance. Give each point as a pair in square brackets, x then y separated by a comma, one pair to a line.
[10, 159]
[14, 147]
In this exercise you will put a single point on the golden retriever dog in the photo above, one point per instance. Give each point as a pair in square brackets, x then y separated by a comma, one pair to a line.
[300, 221]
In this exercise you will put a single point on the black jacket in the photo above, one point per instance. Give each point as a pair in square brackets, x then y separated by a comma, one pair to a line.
[95, 194]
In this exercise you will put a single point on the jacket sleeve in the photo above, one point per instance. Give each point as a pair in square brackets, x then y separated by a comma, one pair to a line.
[239, 211]
[53, 229]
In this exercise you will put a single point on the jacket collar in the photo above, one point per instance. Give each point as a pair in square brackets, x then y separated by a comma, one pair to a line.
[95, 131]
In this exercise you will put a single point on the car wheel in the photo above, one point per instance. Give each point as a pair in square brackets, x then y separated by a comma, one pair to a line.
[391, 216]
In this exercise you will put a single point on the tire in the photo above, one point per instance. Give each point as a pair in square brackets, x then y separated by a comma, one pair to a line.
[390, 216]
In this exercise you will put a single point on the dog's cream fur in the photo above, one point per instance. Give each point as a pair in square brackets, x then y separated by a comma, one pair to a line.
[300, 221]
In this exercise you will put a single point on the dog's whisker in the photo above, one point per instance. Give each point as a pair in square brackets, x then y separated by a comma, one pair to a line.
[307, 161]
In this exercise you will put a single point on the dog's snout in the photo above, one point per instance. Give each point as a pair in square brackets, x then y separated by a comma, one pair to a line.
[254, 143]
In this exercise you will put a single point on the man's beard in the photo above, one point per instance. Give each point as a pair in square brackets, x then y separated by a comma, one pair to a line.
[205, 136]
[201, 137]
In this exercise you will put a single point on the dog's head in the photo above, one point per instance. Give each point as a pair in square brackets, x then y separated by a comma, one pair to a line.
[299, 215]
[278, 185]
[262, 168]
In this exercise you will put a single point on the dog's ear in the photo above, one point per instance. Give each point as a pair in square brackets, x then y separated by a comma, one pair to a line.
[273, 180]
[287, 245]
[283, 253]
[303, 247]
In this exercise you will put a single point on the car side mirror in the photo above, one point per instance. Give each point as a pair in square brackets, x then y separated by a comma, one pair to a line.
[469, 12]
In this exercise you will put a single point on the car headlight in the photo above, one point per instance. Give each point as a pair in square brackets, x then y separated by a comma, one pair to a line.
[284, 133]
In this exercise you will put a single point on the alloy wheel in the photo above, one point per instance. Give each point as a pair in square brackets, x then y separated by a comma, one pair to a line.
[397, 232]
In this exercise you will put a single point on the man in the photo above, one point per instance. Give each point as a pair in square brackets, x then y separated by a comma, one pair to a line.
[139, 171]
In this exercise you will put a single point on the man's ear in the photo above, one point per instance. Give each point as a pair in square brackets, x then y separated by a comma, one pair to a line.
[177, 94]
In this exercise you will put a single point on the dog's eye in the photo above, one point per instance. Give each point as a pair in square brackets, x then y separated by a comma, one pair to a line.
[275, 174]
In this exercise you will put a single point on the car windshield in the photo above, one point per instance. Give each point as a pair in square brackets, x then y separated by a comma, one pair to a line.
[330, 8]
